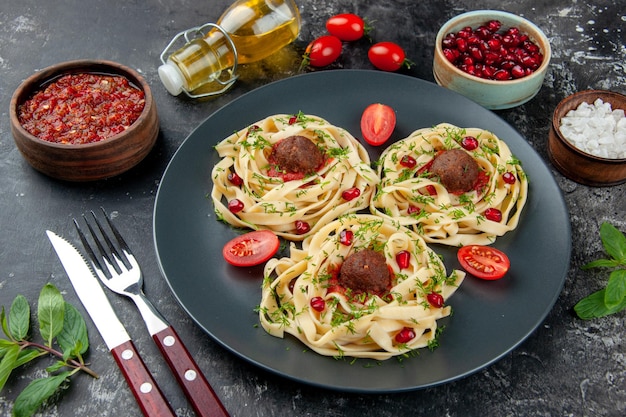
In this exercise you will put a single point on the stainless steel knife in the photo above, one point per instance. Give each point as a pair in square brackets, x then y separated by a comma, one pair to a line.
[143, 386]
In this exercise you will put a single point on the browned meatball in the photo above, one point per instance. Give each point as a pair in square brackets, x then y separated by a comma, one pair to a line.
[297, 154]
[365, 271]
[456, 169]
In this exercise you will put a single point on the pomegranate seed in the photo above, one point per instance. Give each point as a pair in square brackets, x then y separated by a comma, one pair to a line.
[450, 54]
[435, 299]
[469, 143]
[351, 193]
[405, 335]
[461, 44]
[509, 178]
[235, 205]
[413, 210]
[476, 53]
[408, 161]
[403, 258]
[502, 75]
[518, 72]
[493, 214]
[234, 179]
[318, 304]
[494, 44]
[346, 237]
[293, 119]
[494, 25]
[302, 227]
[449, 41]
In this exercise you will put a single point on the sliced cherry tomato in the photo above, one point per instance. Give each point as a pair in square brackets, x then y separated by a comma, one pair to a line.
[387, 56]
[377, 123]
[252, 248]
[483, 261]
[347, 27]
[323, 51]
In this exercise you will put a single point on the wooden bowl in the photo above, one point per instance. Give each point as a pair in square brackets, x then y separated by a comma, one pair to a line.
[90, 161]
[491, 94]
[572, 162]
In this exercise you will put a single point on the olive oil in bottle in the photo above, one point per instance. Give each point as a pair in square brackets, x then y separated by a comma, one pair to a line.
[248, 31]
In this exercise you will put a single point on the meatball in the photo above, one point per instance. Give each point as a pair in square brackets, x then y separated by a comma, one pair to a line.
[456, 169]
[297, 154]
[365, 271]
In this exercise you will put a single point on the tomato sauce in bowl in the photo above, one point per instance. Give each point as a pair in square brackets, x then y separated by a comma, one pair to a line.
[82, 108]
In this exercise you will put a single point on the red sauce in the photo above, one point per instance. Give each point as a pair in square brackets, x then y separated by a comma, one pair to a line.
[82, 108]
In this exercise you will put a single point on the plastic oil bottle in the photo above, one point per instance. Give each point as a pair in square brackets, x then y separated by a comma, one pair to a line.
[248, 31]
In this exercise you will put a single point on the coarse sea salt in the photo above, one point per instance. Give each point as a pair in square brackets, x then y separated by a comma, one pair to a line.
[596, 129]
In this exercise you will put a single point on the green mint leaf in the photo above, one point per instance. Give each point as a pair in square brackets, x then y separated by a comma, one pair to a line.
[8, 363]
[55, 367]
[50, 312]
[615, 293]
[73, 338]
[36, 393]
[593, 306]
[3, 321]
[27, 355]
[614, 242]
[19, 318]
[601, 263]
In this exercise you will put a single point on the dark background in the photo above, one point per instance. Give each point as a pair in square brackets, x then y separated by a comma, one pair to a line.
[567, 367]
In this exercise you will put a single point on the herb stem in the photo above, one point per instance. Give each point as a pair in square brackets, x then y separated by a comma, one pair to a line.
[71, 362]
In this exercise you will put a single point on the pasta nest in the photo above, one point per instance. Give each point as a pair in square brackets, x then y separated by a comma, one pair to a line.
[419, 201]
[270, 202]
[363, 326]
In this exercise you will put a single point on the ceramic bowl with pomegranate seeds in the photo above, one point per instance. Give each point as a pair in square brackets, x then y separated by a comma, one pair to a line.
[495, 58]
[84, 120]
[587, 138]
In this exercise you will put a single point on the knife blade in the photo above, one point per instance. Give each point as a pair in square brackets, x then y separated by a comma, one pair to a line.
[143, 386]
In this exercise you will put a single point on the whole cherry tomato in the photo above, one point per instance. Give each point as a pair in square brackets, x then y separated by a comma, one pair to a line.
[347, 27]
[387, 56]
[323, 51]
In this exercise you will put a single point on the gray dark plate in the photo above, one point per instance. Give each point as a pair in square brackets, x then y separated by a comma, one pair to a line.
[490, 317]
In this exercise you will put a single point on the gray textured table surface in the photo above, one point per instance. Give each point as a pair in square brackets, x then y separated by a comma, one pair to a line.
[567, 367]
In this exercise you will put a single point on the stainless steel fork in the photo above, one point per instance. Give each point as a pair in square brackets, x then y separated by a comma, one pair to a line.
[118, 269]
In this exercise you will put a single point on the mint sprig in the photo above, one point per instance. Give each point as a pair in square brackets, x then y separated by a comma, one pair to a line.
[58, 322]
[611, 299]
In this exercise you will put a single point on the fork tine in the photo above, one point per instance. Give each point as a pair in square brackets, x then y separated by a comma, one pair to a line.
[116, 232]
[87, 246]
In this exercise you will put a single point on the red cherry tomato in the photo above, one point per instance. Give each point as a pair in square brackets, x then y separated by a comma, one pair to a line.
[387, 56]
[377, 123]
[346, 26]
[323, 51]
[483, 261]
[251, 249]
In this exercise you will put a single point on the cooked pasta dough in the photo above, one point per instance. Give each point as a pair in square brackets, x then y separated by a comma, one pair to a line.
[301, 295]
[292, 207]
[412, 195]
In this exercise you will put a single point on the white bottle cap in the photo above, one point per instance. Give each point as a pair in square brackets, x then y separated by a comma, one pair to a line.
[171, 78]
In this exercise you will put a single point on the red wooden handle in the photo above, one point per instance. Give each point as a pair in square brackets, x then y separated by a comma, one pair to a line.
[189, 376]
[142, 384]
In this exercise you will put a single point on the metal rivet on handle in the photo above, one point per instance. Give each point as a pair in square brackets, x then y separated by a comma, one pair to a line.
[190, 375]
[146, 387]
[169, 341]
[127, 354]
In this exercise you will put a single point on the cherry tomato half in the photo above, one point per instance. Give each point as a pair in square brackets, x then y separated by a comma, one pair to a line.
[346, 26]
[252, 248]
[387, 56]
[377, 123]
[483, 261]
[323, 51]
